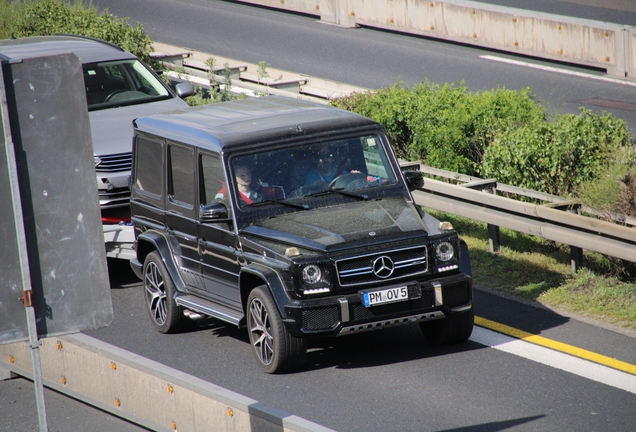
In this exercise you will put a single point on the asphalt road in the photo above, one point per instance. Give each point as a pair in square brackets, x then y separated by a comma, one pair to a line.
[373, 59]
[388, 380]
[394, 380]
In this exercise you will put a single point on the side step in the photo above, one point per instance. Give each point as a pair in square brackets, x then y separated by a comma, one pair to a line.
[209, 308]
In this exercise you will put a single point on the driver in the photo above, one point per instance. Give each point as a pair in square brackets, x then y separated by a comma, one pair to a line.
[250, 192]
[325, 171]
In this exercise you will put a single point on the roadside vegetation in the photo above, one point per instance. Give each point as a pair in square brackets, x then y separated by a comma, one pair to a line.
[508, 135]
[539, 270]
[500, 133]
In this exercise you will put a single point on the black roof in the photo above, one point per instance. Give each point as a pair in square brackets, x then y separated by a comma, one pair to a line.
[248, 121]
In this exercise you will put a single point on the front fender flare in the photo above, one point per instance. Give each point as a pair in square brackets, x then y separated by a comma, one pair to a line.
[271, 278]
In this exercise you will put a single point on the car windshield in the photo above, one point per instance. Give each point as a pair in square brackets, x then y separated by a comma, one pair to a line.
[121, 82]
[349, 166]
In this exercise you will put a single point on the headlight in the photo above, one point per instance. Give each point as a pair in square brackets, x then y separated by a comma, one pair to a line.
[444, 251]
[312, 274]
[316, 278]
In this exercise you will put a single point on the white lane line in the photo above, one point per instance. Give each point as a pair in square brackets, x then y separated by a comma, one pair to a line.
[555, 359]
[561, 71]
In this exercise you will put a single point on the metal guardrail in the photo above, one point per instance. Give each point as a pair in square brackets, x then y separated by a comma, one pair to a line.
[477, 199]
[607, 46]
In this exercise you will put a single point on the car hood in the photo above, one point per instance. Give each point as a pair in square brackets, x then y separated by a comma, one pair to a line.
[363, 222]
[112, 129]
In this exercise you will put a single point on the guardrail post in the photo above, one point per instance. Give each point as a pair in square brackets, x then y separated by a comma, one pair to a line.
[488, 186]
[576, 258]
[494, 238]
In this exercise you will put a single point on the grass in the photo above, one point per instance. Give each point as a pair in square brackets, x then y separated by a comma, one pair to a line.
[539, 270]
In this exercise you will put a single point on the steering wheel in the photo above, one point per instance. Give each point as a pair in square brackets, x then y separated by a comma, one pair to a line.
[110, 96]
[344, 180]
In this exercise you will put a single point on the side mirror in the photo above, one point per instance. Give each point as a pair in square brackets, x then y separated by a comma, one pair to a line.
[215, 212]
[184, 89]
[414, 180]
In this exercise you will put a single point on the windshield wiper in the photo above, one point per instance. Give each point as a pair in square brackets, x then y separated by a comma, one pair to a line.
[340, 191]
[280, 201]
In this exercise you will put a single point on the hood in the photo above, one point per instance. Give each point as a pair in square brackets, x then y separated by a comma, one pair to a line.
[361, 222]
[112, 129]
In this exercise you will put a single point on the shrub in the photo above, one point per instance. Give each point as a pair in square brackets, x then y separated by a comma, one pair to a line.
[560, 156]
[389, 106]
[444, 126]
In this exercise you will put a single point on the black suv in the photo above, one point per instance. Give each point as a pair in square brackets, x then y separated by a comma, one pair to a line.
[294, 220]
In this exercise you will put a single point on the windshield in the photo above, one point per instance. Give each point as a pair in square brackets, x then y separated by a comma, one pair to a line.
[120, 82]
[350, 166]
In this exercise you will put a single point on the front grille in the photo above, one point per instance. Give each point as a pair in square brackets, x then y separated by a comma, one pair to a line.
[115, 163]
[115, 196]
[405, 262]
[320, 319]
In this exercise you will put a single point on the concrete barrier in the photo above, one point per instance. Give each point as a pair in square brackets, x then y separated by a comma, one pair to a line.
[607, 46]
[143, 391]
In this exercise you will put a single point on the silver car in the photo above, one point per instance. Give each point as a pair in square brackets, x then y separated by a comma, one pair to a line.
[119, 88]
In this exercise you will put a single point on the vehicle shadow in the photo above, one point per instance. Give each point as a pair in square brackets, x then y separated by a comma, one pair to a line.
[120, 274]
[377, 348]
[496, 426]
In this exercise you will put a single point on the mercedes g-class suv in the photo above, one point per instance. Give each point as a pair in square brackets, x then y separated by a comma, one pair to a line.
[294, 220]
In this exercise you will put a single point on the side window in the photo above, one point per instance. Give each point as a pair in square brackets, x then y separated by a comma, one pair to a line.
[213, 185]
[181, 182]
[148, 166]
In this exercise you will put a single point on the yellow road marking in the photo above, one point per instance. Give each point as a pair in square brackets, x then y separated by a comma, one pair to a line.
[557, 346]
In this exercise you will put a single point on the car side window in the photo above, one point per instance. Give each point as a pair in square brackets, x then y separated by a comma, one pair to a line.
[148, 160]
[181, 182]
[212, 180]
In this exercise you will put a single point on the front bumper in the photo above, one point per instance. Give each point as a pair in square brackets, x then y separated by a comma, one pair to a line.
[345, 314]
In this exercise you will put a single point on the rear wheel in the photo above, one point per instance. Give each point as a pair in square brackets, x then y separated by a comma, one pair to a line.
[275, 349]
[455, 328]
[165, 314]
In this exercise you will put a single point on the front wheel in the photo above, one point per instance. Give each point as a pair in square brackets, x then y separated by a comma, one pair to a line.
[455, 328]
[275, 349]
[165, 314]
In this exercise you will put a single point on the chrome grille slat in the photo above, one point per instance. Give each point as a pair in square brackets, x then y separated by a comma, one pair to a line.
[115, 162]
[359, 270]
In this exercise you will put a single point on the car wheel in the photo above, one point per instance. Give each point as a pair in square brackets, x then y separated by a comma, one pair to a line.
[159, 291]
[455, 328]
[275, 349]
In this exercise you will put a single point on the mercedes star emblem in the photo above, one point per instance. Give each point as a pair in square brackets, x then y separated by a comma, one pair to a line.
[383, 267]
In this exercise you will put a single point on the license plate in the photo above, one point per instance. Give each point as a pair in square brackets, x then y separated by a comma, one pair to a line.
[388, 295]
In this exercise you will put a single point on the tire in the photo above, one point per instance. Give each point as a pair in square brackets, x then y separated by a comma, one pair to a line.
[274, 348]
[455, 328]
[159, 291]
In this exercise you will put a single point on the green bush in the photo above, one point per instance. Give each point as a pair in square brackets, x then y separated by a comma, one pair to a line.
[614, 192]
[445, 126]
[560, 156]
[47, 17]
[390, 107]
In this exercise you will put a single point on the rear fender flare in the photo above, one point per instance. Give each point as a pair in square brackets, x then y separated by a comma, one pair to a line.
[153, 241]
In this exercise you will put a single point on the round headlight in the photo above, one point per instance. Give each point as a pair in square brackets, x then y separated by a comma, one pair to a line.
[444, 251]
[312, 274]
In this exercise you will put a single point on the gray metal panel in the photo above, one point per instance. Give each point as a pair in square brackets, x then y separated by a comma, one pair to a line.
[12, 319]
[62, 222]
